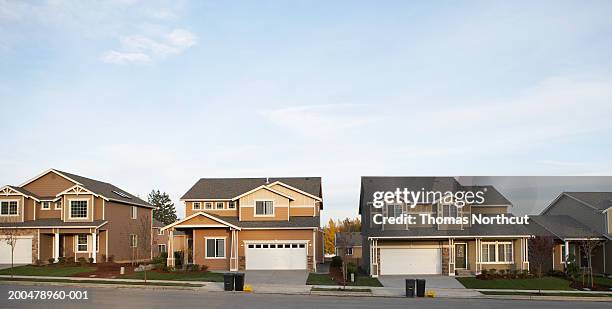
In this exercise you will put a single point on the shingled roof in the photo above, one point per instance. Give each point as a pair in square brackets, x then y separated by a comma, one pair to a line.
[560, 226]
[228, 188]
[597, 200]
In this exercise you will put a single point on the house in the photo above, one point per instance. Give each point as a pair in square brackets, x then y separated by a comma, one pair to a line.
[568, 235]
[438, 247]
[160, 239]
[593, 210]
[59, 214]
[348, 246]
[251, 223]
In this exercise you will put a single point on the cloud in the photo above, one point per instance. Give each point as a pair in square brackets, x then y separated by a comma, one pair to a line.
[143, 49]
[116, 57]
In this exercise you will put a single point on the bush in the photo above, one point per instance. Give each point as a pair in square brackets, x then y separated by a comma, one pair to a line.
[111, 258]
[351, 268]
[90, 260]
[38, 262]
[161, 258]
[204, 268]
[502, 272]
[51, 260]
[61, 260]
[82, 261]
[336, 262]
[191, 267]
[556, 273]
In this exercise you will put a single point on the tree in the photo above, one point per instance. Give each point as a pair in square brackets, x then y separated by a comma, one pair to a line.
[164, 211]
[540, 249]
[586, 247]
[10, 238]
[329, 232]
[349, 225]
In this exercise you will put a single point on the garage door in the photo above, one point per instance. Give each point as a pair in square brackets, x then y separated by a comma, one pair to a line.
[23, 251]
[276, 256]
[410, 261]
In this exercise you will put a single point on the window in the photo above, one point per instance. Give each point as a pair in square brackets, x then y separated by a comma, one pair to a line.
[449, 211]
[231, 205]
[46, 205]
[215, 248]
[563, 253]
[497, 252]
[219, 205]
[349, 251]
[78, 209]
[264, 208]
[160, 232]
[8, 208]
[81, 243]
[208, 205]
[133, 241]
[196, 206]
[58, 205]
[134, 212]
[161, 248]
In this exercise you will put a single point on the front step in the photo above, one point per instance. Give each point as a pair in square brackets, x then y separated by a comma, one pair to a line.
[463, 272]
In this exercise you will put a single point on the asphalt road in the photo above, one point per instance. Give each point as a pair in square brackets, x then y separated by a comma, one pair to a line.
[146, 298]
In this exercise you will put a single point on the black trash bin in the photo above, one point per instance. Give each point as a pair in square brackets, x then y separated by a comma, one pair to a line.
[239, 284]
[228, 281]
[420, 287]
[410, 287]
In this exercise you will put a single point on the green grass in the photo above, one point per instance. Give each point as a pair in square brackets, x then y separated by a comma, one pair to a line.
[102, 282]
[548, 294]
[341, 290]
[544, 283]
[604, 281]
[178, 276]
[48, 270]
[326, 279]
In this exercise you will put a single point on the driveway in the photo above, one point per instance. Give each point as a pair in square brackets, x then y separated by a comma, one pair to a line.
[288, 277]
[3, 266]
[439, 282]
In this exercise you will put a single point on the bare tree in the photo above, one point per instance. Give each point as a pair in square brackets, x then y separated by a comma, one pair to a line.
[540, 249]
[587, 246]
[10, 238]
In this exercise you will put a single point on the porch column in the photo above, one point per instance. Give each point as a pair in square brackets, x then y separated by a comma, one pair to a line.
[478, 257]
[374, 270]
[566, 253]
[451, 257]
[233, 252]
[56, 244]
[170, 260]
[526, 261]
[94, 246]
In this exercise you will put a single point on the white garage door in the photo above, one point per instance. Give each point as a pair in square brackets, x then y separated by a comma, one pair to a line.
[23, 251]
[276, 256]
[410, 261]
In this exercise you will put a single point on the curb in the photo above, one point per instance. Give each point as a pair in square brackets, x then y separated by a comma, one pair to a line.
[100, 285]
[548, 298]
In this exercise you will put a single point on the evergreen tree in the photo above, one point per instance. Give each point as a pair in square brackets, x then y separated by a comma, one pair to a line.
[164, 208]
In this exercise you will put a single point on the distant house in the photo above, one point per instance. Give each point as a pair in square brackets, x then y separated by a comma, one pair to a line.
[63, 215]
[348, 246]
[577, 216]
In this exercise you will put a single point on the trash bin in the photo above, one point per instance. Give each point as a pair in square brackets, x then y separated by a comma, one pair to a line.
[228, 281]
[410, 287]
[239, 284]
[420, 287]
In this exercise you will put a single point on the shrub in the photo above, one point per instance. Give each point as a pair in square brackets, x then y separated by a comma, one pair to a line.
[485, 272]
[204, 268]
[502, 272]
[38, 262]
[191, 267]
[82, 260]
[493, 272]
[111, 258]
[161, 258]
[336, 262]
[61, 260]
[51, 260]
[351, 268]
[90, 260]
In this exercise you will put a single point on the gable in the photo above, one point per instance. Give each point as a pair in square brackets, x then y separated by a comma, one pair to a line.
[49, 184]
[199, 220]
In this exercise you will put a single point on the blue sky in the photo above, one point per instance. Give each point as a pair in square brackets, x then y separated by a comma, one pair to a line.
[155, 94]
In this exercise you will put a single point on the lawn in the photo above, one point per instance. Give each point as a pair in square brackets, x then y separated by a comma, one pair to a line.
[544, 283]
[548, 294]
[48, 270]
[603, 281]
[340, 290]
[101, 282]
[326, 279]
[179, 276]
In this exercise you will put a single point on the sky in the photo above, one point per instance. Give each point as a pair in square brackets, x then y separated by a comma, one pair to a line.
[157, 94]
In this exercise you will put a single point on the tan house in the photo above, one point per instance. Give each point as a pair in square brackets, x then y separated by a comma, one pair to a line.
[59, 214]
[348, 246]
[251, 223]
[438, 248]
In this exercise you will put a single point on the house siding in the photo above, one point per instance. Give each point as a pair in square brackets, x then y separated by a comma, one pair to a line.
[49, 185]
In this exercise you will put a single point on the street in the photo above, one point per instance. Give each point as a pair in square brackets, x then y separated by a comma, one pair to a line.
[162, 298]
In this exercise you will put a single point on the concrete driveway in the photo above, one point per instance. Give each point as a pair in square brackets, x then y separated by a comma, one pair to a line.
[288, 277]
[435, 282]
[3, 266]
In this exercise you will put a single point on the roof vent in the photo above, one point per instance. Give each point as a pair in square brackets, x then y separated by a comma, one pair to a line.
[122, 194]
[267, 180]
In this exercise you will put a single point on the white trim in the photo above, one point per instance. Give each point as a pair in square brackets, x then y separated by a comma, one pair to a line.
[496, 244]
[265, 188]
[8, 189]
[76, 249]
[200, 213]
[135, 240]
[465, 243]
[70, 217]
[19, 213]
[134, 212]
[264, 215]
[204, 199]
[53, 227]
[263, 241]
[42, 205]
[446, 237]
[278, 182]
[201, 225]
[206, 205]
[206, 248]
[193, 205]
[77, 190]
[222, 205]
[165, 248]
[55, 203]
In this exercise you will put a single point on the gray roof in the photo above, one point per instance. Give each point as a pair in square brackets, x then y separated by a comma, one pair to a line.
[348, 239]
[157, 223]
[227, 188]
[370, 184]
[598, 200]
[560, 226]
[297, 222]
[52, 222]
[107, 190]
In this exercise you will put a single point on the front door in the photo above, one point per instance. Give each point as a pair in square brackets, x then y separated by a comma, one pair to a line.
[460, 256]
